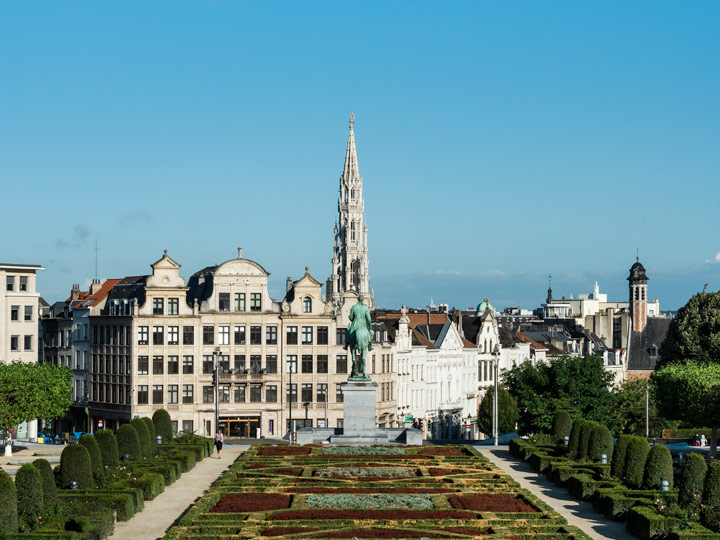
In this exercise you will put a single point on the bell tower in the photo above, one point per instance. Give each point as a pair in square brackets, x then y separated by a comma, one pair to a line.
[638, 296]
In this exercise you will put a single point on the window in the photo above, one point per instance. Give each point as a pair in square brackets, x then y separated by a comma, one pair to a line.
[291, 335]
[239, 363]
[322, 363]
[239, 301]
[307, 305]
[158, 335]
[224, 393]
[173, 365]
[255, 302]
[321, 393]
[208, 335]
[142, 394]
[307, 392]
[224, 363]
[28, 313]
[271, 363]
[291, 363]
[271, 335]
[653, 351]
[255, 363]
[158, 306]
[28, 343]
[188, 365]
[172, 393]
[255, 335]
[142, 335]
[224, 301]
[10, 283]
[307, 363]
[158, 362]
[338, 393]
[173, 335]
[255, 393]
[271, 393]
[188, 335]
[239, 393]
[322, 335]
[239, 335]
[142, 365]
[188, 393]
[157, 393]
[223, 335]
[208, 364]
[173, 306]
[15, 313]
[187, 426]
[307, 335]
[208, 394]
[291, 393]
[23, 283]
[340, 336]
[341, 363]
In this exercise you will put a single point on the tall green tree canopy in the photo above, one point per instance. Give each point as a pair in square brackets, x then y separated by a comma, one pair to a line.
[507, 412]
[690, 393]
[629, 410]
[694, 334]
[579, 385]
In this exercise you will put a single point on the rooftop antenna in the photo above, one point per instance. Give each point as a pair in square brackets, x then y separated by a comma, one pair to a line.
[96, 257]
[637, 254]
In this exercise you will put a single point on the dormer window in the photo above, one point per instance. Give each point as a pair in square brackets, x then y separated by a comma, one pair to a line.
[307, 305]
[653, 351]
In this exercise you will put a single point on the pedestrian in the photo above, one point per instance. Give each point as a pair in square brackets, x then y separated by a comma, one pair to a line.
[696, 440]
[703, 440]
[219, 442]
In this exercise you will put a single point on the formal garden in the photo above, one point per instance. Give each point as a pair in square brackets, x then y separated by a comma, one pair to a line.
[368, 492]
[103, 478]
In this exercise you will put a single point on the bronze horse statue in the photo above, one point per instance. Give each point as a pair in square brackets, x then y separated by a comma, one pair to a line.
[359, 339]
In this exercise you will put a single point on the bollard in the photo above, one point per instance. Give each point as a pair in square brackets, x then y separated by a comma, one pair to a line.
[603, 459]
[567, 440]
[665, 485]
[158, 439]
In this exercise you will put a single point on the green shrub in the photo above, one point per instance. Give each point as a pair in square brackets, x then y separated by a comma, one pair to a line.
[574, 443]
[711, 497]
[646, 523]
[539, 461]
[562, 426]
[143, 437]
[163, 425]
[96, 462]
[8, 504]
[635, 458]
[49, 488]
[107, 442]
[75, 465]
[600, 443]
[29, 489]
[128, 441]
[151, 430]
[584, 442]
[617, 468]
[581, 486]
[152, 484]
[658, 467]
[691, 481]
[711, 518]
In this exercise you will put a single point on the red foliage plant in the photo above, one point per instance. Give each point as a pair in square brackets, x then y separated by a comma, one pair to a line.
[320, 513]
[441, 451]
[251, 502]
[283, 451]
[434, 471]
[491, 502]
[377, 533]
[282, 531]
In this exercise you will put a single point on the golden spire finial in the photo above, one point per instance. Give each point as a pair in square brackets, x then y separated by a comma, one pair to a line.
[352, 119]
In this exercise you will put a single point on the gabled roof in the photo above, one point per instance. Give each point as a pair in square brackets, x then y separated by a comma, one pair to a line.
[90, 300]
[640, 343]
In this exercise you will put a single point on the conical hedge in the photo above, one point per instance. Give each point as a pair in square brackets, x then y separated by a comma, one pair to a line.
[658, 467]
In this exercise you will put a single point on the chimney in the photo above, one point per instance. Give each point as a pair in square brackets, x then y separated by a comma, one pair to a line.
[75, 292]
[458, 314]
[288, 284]
[95, 286]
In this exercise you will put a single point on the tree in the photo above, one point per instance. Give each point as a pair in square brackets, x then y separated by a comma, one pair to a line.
[601, 442]
[96, 462]
[32, 391]
[151, 431]
[163, 425]
[562, 426]
[691, 481]
[143, 437]
[8, 505]
[50, 500]
[75, 466]
[579, 385]
[658, 467]
[108, 445]
[29, 486]
[507, 412]
[690, 392]
[635, 459]
[128, 442]
[628, 413]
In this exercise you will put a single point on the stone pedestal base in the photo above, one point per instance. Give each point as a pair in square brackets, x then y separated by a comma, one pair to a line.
[359, 405]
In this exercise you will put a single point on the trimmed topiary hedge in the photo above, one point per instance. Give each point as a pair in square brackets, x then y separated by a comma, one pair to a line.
[617, 468]
[128, 442]
[151, 430]
[8, 505]
[29, 489]
[163, 425]
[75, 465]
[711, 497]
[89, 442]
[635, 458]
[585, 431]
[601, 442]
[143, 437]
[108, 445]
[658, 467]
[574, 443]
[562, 426]
[49, 488]
[691, 481]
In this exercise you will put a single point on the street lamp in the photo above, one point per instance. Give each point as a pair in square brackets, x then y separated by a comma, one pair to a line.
[216, 383]
[647, 411]
[496, 358]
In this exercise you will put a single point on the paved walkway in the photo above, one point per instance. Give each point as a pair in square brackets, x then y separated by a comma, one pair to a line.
[163, 512]
[580, 514]
[24, 452]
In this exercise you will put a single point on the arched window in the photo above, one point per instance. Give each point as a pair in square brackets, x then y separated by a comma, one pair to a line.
[352, 231]
[352, 194]
[486, 348]
[307, 305]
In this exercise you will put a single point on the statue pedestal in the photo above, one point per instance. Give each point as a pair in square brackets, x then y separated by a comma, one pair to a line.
[359, 405]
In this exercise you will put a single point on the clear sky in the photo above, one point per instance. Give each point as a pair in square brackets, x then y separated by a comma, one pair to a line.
[499, 142]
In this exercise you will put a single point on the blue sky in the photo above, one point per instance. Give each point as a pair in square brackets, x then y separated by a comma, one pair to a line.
[499, 142]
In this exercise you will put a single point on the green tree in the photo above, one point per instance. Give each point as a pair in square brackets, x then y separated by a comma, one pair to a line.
[635, 459]
[507, 412]
[580, 385]
[151, 431]
[711, 497]
[691, 481]
[32, 391]
[8, 505]
[562, 426]
[628, 413]
[29, 486]
[600, 443]
[50, 500]
[574, 443]
[163, 425]
[89, 442]
[658, 467]
[75, 466]
[143, 437]
[617, 466]
[584, 442]
[128, 442]
[108, 445]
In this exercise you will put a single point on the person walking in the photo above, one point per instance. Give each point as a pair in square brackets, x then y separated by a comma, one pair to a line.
[219, 442]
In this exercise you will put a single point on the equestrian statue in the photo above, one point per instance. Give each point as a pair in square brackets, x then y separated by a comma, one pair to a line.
[359, 339]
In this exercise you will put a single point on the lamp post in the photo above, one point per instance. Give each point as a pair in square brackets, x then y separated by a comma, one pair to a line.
[496, 358]
[216, 356]
[647, 411]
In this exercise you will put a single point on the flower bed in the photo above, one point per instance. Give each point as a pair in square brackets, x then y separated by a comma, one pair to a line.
[376, 533]
[368, 490]
[365, 472]
[368, 501]
[442, 451]
[434, 471]
[282, 531]
[363, 451]
[284, 451]
[251, 502]
[323, 514]
[491, 502]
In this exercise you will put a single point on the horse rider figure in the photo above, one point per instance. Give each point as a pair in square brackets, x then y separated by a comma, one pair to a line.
[359, 338]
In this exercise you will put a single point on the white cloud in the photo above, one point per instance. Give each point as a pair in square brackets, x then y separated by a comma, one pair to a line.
[717, 257]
